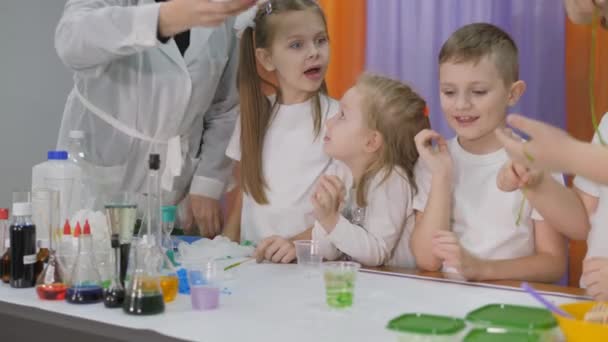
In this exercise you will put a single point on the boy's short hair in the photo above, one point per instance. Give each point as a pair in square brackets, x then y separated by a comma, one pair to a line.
[473, 42]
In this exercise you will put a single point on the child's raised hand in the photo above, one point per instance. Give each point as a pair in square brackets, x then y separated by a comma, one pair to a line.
[595, 278]
[326, 201]
[446, 247]
[437, 158]
[276, 249]
[513, 176]
[546, 148]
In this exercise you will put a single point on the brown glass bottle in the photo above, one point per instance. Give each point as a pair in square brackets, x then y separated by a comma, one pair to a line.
[41, 258]
[5, 264]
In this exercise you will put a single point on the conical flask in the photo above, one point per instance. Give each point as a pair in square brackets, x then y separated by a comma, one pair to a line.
[85, 281]
[121, 221]
[144, 295]
[50, 284]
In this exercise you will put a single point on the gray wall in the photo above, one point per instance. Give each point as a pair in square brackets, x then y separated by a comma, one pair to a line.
[33, 88]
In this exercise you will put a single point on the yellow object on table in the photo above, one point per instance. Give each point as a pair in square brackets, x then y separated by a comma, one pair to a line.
[579, 330]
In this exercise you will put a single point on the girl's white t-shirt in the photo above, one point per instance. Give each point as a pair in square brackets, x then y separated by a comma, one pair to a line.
[292, 161]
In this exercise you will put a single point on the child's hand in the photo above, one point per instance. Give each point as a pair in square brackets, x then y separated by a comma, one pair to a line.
[276, 249]
[595, 278]
[326, 201]
[546, 148]
[447, 247]
[436, 158]
[513, 176]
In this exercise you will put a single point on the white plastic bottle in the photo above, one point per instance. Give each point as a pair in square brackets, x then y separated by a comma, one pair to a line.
[78, 154]
[64, 176]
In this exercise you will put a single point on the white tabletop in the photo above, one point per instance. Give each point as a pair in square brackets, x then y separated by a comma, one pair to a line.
[281, 303]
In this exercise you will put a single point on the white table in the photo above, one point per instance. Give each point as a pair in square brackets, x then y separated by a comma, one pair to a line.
[268, 303]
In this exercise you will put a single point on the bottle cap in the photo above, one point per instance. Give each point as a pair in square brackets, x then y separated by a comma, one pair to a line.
[76, 134]
[57, 155]
[154, 161]
[87, 228]
[3, 214]
[22, 209]
[169, 213]
[67, 230]
[77, 230]
[43, 243]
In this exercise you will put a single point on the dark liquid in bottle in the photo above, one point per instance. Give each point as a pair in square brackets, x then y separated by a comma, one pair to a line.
[23, 255]
[5, 267]
[124, 261]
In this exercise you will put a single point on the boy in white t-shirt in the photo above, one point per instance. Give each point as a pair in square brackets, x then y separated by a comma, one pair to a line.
[464, 223]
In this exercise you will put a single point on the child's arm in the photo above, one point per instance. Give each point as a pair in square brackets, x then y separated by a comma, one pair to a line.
[387, 207]
[328, 250]
[548, 264]
[560, 207]
[435, 214]
[305, 235]
[553, 149]
[436, 217]
[589, 201]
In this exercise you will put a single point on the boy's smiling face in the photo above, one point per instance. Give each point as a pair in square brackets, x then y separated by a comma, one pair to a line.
[475, 97]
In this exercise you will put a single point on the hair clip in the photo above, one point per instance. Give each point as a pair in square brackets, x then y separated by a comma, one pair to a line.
[268, 7]
[426, 111]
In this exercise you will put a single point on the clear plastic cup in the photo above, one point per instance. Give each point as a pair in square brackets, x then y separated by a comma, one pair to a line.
[308, 253]
[204, 279]
[340, 278]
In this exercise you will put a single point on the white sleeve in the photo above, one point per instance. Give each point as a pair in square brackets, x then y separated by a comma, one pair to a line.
[214, 170]
[328, 249]
[423, 181]
[388, 204]
[233, 151]
[584, 184]
[92, 33]
[559, 177]
[589, 187]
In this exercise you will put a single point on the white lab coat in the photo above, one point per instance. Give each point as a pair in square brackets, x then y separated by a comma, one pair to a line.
[147, 94]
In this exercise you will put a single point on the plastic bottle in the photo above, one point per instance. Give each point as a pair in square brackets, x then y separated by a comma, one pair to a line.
[64, 176]
[23, 246]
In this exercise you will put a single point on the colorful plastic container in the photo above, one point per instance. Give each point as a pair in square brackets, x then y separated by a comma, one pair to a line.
[417, 327]
[488, 335]
[515, 318]
[577, 330]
